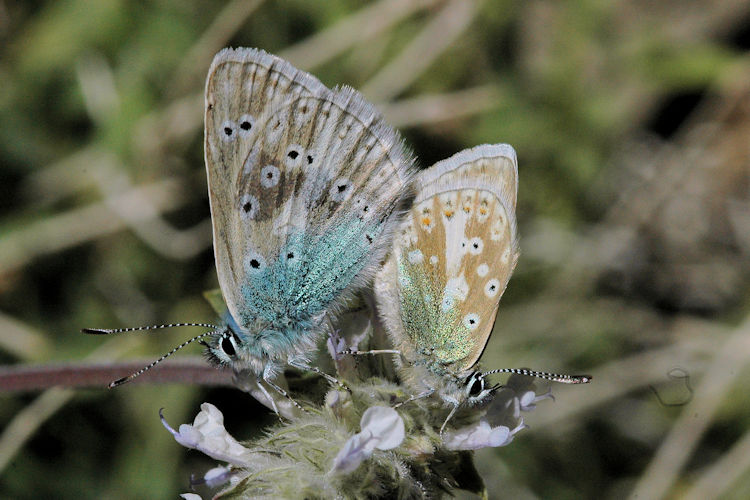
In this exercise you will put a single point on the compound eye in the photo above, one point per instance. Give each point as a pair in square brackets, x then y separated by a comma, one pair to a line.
[477, 386]
[227, 346]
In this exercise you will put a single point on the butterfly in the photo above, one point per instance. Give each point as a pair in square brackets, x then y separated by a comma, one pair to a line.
[451, 260]
[305, 186]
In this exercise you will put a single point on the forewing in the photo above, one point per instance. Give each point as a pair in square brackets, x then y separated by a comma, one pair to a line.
[300, 192]
[243, 86]
[452, 259]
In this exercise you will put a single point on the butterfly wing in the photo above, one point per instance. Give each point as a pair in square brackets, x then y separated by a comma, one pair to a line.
[494, 163]
[303, 181]
[452, 258]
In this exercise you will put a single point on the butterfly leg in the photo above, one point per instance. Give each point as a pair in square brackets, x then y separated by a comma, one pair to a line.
[447, 419]
[296, 363]
[267, 379]
[355, 352]
[268, 396]
[421, 395]
[336, 340]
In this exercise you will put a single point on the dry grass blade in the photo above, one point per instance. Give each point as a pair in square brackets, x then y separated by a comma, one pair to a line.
[145, 219]
[720, 477]
[427, 109]
[27, 421]
[437, 36]
[233, 16]
[616, 379]
[353, 29]
[56, 233]
[21, 341]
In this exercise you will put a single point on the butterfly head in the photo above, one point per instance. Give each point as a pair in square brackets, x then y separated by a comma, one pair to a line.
[226, 348]
[476, 389]
[262, 348]
[222, 347]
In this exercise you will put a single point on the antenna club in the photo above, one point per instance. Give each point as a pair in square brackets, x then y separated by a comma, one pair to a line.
[117, 382]
[96, 331]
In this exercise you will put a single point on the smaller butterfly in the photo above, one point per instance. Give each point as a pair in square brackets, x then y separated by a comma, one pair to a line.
[452, 257]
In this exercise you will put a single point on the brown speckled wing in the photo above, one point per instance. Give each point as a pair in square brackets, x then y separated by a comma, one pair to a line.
[452, 258]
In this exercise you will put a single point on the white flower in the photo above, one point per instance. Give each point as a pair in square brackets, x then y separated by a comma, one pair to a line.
[527, 401]
[207, 434]
[382, 428]
[217, 476]
[191, 496]
[480, 435]
[502, 420]
[386, 426]
[517, 395]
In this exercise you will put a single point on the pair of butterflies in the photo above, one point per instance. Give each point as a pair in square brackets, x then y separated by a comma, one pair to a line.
[308, 188]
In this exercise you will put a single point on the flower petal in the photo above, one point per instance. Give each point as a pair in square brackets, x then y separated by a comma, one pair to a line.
[217, 476]
[355, 450]
[529, 399]
[382, 428]
[208, 435]
[499, 436]
[480, 435]
[386, 426]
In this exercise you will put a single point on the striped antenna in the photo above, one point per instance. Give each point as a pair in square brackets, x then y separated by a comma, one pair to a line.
[554, 377]
[107, 331]
[130, 377]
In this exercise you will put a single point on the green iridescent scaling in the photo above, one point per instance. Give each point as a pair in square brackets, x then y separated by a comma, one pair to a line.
[430, 324]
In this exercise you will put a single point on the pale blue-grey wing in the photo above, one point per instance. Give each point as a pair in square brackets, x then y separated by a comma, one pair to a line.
[353, 200]
[243, 87]
[314, 187]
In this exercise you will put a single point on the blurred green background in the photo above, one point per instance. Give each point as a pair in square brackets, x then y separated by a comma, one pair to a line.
[632, 124]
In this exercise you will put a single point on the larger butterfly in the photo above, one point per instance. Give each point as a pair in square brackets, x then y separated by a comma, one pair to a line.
[305, 184]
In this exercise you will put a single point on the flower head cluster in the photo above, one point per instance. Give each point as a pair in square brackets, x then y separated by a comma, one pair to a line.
[356, 444]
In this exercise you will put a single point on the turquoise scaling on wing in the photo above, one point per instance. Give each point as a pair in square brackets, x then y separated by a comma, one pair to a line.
[429, 322]
[305, 278]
